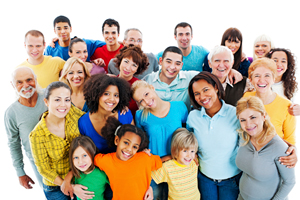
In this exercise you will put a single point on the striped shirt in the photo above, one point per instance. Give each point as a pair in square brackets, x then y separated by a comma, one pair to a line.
[50, 152]
[181, 179]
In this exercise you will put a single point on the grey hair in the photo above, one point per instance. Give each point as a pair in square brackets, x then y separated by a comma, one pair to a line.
[131, 29]
[220, 49]
[262, 38]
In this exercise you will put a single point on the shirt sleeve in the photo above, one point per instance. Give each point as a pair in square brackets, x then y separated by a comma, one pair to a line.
[184, 113]
[40, 155]
[14, 144]
[289, 127]
[98, 161]
[156, 162]
[160, 175]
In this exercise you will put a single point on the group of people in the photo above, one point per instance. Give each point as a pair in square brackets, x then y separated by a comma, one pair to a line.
[104, 120]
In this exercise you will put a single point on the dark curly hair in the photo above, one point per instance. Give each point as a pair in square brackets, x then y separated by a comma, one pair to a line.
[289, 76]
[95, 86]
[210, 79]
[137, 56]
[113, 127]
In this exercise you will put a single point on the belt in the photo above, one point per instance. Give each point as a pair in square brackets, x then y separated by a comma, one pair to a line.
[220, 180]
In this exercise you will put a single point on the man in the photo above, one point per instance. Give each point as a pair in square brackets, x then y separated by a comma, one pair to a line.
[134, 36]
[110, 32]
[60, 48]
[20, 118]
[171, 83]
[193, 56]
[46, 68]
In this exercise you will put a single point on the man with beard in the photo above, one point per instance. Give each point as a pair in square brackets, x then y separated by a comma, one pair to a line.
[20, 118]
[193, 55]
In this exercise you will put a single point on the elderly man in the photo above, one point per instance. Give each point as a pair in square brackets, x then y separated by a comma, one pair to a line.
[20, 118]
[133, 36]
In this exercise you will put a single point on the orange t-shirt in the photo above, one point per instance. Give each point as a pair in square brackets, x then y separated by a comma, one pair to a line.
[128, 179]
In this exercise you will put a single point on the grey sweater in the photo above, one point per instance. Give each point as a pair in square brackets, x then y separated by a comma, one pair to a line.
[264, 178]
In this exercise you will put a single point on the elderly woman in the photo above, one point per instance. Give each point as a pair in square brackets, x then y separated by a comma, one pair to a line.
[221, 60]
[264, 177]
[262, 74]
[74, 74]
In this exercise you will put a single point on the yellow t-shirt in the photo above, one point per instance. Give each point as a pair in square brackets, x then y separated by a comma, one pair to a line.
[181, 179]
[48, 71]
[284, 123]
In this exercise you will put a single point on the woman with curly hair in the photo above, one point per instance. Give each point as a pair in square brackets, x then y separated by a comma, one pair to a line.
[131, 61]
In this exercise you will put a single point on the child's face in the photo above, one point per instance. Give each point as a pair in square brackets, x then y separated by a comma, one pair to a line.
[186, 156]
[81, 159]
[127, 145]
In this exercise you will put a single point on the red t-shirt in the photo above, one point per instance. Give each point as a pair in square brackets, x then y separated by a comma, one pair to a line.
[133, 107]
[102, 52]
[128, 179]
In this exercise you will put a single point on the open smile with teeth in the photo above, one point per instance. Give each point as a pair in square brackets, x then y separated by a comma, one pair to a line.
[171, 71]
[151, 103]
[61, 110]
[82, 166]
[251, 129]
[221, 70]
[188, 160]
[262, 86]
[77, 80]
[126, 155]
[110, 104]
[205, 102]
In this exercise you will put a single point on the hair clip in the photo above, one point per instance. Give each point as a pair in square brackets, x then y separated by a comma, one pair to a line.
[117, 129]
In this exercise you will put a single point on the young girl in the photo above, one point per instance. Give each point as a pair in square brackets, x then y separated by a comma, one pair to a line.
[128, 170]
[181, 172]
[81, 156]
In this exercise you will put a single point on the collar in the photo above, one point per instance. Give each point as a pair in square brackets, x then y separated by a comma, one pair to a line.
[222, 111]
[179, 76]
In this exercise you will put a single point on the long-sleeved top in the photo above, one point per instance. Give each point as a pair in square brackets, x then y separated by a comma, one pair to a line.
[50, 152]
[264, 178]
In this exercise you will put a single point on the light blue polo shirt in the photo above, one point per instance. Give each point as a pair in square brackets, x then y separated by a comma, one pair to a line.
[193, 61]
[218, 141]
[177, 90]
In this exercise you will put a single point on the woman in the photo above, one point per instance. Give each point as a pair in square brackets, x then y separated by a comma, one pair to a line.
[262, 74]
[131, 61]
[74, 74]
[78, 49]
[264, 177]
[262, 45]
[214, 123]
[50, 140]
[105, 96]
[159, 119]
[221, 62]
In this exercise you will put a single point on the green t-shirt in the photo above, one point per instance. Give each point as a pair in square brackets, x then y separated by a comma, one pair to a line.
[95, 182]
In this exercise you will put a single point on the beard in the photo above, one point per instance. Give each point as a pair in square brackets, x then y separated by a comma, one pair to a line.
[27, 95]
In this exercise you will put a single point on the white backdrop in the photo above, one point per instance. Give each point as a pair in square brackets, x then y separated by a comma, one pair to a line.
[156, 19]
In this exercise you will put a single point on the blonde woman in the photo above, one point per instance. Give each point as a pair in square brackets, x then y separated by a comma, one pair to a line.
[74, 74]
[262, 45]
[264, 177]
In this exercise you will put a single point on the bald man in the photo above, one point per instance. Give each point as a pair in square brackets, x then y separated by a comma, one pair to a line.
[20, 118]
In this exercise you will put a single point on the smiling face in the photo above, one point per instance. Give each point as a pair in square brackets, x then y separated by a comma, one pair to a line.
[170, 66]
[262, 48]
[110, 34]
[79, 50]
[128, 68]
[183, 37]
[35, 48]
[206, 96]
[59, 102]
[134, 37]
[109, 99]
[221, 65]
[252, 122]
[76, 75]
[262, 79]
[127, 146]
[81, 159]
[145, 96]
[63, 31]
[281, 61]
[185, 156]
[24, 83]
[233, 45]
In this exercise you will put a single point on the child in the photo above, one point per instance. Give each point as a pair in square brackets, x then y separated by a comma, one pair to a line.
[181, 172]
[128, 169]
[81, 156]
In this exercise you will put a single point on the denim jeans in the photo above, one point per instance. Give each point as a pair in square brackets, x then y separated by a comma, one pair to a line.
[160, 191]
[218, 190]
[54, 193]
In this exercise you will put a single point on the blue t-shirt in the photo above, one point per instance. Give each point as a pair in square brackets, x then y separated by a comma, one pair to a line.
[63, 52]
[160, 130]
[86, 128]
[193, 61]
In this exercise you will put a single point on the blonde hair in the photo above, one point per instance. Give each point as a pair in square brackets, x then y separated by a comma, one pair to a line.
[134, 87]
[182, 139]
[67, 67]
[262, 38]
[263, 62]
[255, 104]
